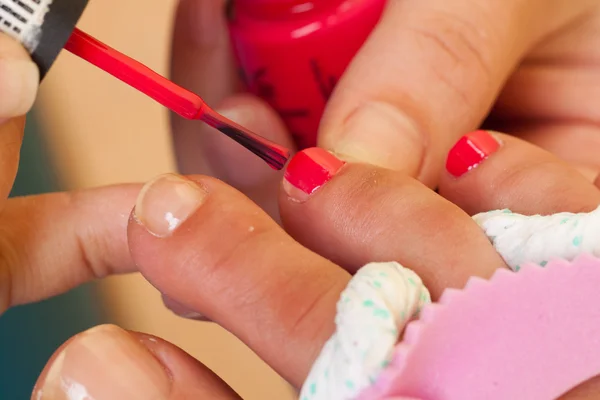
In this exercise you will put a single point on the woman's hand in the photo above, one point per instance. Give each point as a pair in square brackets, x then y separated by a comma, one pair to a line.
[211, 250]
[431, 71]
[50, 243]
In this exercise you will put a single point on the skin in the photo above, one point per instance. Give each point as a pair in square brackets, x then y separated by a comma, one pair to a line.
[286, 318]
[555, 47]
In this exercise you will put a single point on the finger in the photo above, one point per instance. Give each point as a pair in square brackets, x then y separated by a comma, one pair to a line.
[211, 249]
[201, 62]
[19, 78]
[362, 214]
[491, 172]
[109, 363]
[439, 66]
[566, 65]
[11, 136]
[566, 123]
[52, 243]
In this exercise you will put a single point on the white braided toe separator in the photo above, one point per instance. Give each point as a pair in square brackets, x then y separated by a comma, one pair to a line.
[383, 297]
[371, 314]
[540, 238]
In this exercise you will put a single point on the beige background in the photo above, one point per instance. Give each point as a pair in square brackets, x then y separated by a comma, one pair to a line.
[100, 132]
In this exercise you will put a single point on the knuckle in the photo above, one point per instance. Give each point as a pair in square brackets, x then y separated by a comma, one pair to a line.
[90, 248]
[302, 316]
[458, 50]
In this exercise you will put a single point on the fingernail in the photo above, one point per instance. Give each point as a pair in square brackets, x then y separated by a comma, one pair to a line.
[19, 80]
[378, 134]
[167, 202]
[308, 171]
[105, 363]
[470, 151]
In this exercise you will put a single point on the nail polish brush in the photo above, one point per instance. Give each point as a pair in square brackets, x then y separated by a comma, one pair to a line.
[45, 27]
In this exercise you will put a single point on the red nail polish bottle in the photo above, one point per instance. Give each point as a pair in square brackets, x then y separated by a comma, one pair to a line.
[292, 52]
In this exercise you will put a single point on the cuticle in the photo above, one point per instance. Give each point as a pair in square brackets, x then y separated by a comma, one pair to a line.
[143, 339]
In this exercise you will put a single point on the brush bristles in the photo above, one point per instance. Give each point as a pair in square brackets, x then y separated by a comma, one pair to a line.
[274, 155]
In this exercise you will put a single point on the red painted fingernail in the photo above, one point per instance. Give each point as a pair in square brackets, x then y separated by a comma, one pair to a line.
[470, 151]
[308, 171]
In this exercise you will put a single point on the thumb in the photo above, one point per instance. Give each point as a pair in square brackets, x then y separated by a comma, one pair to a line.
[429, 73]
[107, 362]
[19, 79]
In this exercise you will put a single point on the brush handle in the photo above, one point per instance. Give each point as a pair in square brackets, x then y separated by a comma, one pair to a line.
[136, 74]
[177, 99]
[44, 27]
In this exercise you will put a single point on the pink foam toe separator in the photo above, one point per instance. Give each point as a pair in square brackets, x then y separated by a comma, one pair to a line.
[531, 335]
